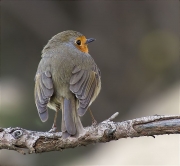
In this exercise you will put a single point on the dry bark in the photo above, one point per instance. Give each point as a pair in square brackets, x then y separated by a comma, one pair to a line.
[19, 139]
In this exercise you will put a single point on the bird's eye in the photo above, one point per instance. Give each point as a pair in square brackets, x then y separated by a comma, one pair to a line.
[78, 42]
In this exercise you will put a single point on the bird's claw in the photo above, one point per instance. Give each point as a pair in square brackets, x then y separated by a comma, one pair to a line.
[94, 122]
[53, 130]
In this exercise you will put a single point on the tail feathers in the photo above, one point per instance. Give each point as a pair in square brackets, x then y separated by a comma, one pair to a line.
[65, 135]
[68, 117]
[71, 124]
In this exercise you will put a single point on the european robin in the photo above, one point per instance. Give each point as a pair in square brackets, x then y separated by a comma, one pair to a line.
[67, 78]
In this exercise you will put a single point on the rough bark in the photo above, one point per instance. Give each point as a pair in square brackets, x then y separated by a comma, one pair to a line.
[19, 139]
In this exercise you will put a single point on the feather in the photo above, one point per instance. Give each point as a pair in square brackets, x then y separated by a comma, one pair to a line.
[76, 77]
[43, 91]
[83, 84]
[68, 117]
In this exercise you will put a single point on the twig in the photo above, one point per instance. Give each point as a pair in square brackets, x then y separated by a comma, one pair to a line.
[19, 139]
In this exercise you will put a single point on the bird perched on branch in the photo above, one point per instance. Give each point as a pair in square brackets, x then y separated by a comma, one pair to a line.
[67, 79]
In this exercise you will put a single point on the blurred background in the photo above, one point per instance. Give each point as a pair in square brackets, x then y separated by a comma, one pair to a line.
[137, 51]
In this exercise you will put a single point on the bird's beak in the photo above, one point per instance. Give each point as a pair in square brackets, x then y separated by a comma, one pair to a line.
[90, 40]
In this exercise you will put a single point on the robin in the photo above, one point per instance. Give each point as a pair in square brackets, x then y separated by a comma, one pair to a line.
[67, 78]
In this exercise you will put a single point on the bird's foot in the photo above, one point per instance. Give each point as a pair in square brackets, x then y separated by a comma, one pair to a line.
[53, 129]
[94, 122]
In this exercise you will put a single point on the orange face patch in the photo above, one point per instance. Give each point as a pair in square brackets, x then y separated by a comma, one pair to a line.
[81, 44]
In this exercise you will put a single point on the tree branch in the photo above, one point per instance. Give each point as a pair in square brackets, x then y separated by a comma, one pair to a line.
[19, 139]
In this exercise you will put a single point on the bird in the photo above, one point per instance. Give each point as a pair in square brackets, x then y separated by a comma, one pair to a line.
[67, 79]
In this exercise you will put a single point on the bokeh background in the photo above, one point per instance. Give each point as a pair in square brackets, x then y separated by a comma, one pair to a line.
[137, 51]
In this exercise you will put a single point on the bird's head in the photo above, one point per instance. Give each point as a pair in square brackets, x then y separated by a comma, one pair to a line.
[72, 37]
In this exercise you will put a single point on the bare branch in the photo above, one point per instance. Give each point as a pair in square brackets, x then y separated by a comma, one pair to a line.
[19, 139]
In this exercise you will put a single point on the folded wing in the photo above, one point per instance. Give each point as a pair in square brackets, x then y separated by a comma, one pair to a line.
[83, 84]
[43, 91]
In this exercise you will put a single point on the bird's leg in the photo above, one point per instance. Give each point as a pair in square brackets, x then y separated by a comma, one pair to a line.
[55, 119]
[94, 122]
[54, 126]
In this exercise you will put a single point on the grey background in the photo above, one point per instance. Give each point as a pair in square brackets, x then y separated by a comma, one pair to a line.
[136, 49]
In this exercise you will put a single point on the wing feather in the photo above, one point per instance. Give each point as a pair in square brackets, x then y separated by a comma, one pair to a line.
[43, 91]
[83, 84]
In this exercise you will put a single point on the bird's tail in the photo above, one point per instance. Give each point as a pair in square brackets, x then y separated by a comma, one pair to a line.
[71, 123]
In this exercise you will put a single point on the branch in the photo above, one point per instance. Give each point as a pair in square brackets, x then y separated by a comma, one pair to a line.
[19, 139]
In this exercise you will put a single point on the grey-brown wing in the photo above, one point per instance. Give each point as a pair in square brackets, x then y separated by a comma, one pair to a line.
[43, 91]
[84, 84]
